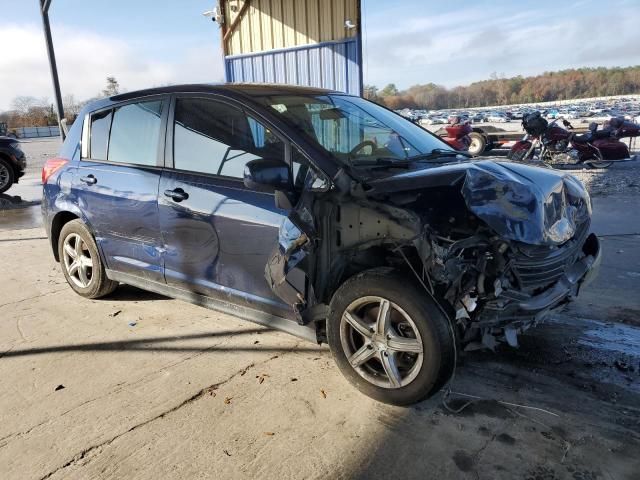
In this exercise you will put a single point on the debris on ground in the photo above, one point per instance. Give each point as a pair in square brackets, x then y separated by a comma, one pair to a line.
[261, 377]
[226, 452]
[59, 387]
[269, 434]
[133, 324]
[324, 394]
[116, 313]
[227, 400]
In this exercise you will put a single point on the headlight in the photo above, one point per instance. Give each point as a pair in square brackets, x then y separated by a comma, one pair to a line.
[15, 145]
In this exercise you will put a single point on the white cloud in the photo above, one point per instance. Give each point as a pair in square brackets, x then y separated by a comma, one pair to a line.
[456, 49]
[85, 59]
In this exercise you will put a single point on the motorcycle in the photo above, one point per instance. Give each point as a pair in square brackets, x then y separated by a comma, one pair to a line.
[557, 146]
[458, 132]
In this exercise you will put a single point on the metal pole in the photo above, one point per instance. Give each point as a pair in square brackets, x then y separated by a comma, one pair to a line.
[44, 10]
[359, 47]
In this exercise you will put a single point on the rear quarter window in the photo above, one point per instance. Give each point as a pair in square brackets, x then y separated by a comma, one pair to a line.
[100, 125]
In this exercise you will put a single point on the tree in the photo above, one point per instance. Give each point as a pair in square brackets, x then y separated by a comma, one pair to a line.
[112, 88]
[389, 91]
[71, 107]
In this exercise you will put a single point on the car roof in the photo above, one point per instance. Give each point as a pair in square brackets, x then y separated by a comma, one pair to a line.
[248, 89]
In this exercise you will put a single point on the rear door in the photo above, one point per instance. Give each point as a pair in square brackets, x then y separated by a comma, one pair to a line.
[217, 233]
[116, 184]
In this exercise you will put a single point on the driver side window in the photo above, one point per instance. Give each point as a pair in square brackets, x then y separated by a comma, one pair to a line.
[216, 138]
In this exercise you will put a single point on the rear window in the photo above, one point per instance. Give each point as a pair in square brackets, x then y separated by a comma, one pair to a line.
[135, 133]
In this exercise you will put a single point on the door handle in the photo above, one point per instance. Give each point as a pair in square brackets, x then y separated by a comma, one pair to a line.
[176, 194]
[89, 179]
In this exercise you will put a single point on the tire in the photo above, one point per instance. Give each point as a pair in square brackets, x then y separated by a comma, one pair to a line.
[415, 324]
[599, 164]
[7, 175]
[89, 279]
[478, 143]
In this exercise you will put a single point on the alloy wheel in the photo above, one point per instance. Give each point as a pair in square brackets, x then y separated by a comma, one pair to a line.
[4, 175]
[78, 260]
[381, 342]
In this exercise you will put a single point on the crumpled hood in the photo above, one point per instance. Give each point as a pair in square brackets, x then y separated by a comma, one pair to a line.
[534, 205]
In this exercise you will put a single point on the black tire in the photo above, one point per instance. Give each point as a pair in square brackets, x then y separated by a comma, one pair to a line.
[599, 164]
[434, 330]
[478, 143]
[7, 175]
[98, 285]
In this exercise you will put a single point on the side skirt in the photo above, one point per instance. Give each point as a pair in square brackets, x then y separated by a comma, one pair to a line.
[246, 313]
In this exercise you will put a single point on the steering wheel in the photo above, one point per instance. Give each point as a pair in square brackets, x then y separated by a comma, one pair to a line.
[360, 146]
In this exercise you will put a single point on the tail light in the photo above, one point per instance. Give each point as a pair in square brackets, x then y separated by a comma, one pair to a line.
[51, 166]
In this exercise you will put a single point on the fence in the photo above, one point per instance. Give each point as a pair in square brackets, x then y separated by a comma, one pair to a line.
[36, 132]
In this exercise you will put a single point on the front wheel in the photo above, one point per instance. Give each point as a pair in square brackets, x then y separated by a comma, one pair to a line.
[389, 338]
[6, 175]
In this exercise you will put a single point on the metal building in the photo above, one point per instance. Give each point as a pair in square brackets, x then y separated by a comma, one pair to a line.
[300, 42]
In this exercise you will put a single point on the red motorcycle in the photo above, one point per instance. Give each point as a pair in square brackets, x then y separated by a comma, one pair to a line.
[557, 146]
[458, 132]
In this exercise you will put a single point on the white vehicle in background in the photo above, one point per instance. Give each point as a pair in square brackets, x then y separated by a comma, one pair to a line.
[497, 117]
[434, 121]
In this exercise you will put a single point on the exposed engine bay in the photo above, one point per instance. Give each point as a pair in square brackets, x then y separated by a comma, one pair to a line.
[497, 245]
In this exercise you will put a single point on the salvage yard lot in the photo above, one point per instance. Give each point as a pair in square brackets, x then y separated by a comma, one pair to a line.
[141, 386]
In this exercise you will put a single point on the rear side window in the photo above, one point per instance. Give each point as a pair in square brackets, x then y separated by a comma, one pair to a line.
[216, 138]
[135, 133]
[100, 125]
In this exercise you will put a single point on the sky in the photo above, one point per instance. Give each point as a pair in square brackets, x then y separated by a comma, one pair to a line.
[146, 43]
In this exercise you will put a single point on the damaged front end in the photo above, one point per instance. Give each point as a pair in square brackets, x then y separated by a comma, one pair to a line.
[497, 245]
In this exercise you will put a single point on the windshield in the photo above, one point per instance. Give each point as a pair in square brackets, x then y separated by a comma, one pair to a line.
[353, 130]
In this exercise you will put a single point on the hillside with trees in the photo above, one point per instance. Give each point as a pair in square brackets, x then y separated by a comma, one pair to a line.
[549, 86]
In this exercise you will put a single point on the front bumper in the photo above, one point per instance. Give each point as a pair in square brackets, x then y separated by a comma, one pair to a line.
[517, 309]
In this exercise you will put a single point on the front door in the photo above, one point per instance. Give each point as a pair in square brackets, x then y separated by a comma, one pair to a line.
[217, 233]
[116, 185]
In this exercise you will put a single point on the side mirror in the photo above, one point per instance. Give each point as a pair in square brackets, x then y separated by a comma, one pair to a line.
[267, 175]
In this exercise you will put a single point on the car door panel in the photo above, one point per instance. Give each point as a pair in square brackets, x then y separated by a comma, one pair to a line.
[218, 240]
[118, 190]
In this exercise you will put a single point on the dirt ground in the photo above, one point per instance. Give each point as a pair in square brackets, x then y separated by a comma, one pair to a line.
[142, 386]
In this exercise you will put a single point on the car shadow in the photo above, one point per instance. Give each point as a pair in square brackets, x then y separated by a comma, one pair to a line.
[128, 293]
[166, 344]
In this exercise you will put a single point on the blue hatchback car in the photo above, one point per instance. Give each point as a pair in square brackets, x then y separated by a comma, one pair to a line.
[320, 214]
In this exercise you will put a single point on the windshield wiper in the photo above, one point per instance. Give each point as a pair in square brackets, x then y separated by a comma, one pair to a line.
[384, 162]
[439, 152]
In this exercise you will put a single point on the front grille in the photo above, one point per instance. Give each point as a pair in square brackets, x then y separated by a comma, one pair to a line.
[538, 266]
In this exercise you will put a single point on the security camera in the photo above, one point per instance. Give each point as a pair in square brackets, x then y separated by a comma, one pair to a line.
[215, 15]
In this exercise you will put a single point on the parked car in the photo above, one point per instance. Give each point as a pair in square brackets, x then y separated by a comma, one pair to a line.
[498, 117]
[477, 117]
[13, 162]
[321, 214]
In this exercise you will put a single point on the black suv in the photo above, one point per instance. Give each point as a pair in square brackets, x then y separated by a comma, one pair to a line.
[13, 162]
[321, 214]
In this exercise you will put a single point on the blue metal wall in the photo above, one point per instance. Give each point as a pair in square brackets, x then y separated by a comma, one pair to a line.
[332, 65]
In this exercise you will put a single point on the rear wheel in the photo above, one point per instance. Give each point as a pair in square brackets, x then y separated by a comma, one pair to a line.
[599, 164]
[6, 175]
[598, 161]
[81, 263]
[389, 339]
[478, 143]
